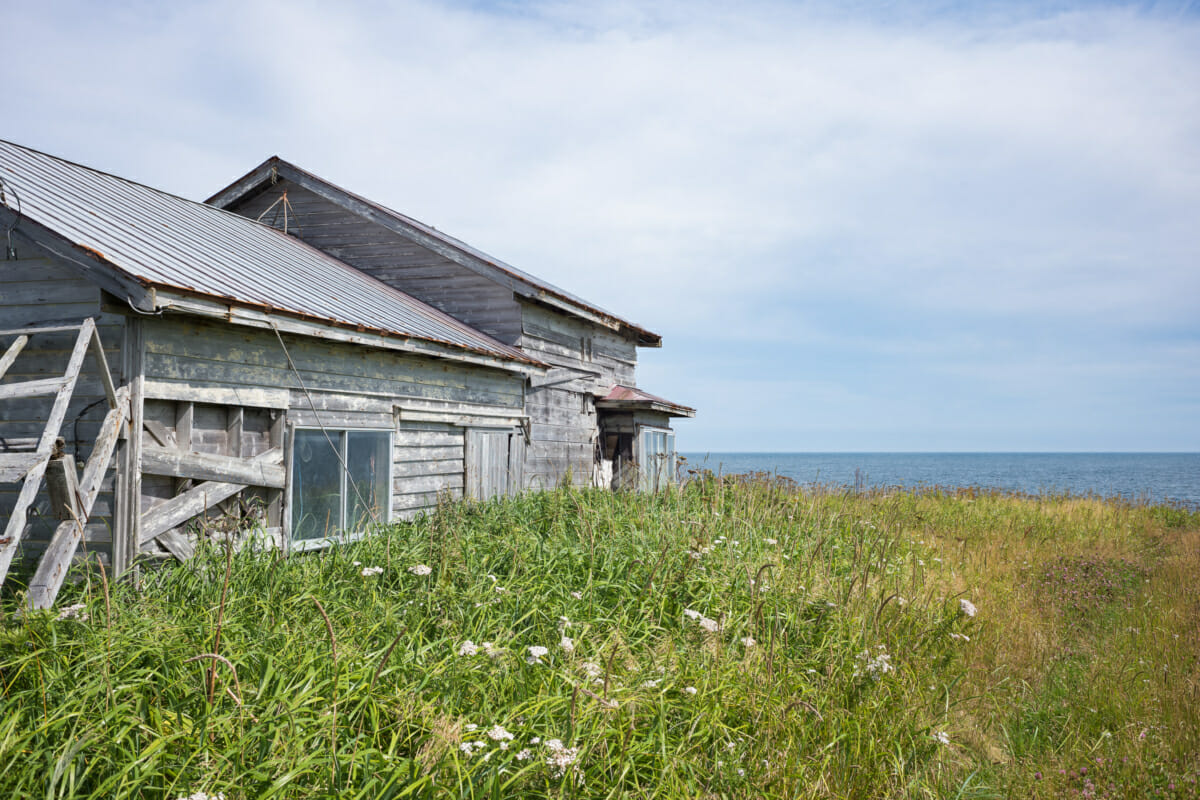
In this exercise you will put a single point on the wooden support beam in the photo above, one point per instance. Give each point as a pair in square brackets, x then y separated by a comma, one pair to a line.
[110, 391]
[193, 502]
[127, 491]
[265, 469]
[62, 484]
[56, 560]
[15, 466]
[11, 354]
[181, 508]
[23, 389]
[33, 480]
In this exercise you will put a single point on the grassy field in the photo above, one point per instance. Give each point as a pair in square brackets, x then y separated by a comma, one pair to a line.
[732, 639]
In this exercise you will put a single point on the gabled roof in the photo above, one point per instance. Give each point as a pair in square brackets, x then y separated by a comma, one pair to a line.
[522, 283]
[135, 240]
[628, 398]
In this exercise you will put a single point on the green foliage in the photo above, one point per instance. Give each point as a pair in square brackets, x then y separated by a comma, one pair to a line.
[737, 638]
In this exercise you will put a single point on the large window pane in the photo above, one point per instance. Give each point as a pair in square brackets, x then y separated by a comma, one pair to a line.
[316, 485]
[367, 458]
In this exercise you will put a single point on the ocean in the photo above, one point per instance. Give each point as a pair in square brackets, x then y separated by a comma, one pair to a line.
[1156, 477]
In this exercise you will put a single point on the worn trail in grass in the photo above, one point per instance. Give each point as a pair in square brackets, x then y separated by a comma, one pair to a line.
[731, 639]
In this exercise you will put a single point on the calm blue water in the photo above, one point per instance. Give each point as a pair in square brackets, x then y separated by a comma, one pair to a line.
[1173, 477]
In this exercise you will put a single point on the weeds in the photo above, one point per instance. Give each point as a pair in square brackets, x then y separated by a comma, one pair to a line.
[738, 638]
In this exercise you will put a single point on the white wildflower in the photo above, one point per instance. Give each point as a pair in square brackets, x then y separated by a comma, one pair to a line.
[536, 740]
[358, 563]
[710, 625]
[470, 726]
[960, 636]
[567, 645]
[577, 595]
[748, 641]
[204, 796]
[690, 689]
[368, 572]
[492, 650]
[420, 569]
[524, 755]
[772, 542]
[535, 654]
[73, 612]
[967, 607]
[467, 648]
[650, 684]
[941, 738]
[874, 667]
[690, 614]
[466, 748]
[561, 758]
[592, 669]
[499, 734]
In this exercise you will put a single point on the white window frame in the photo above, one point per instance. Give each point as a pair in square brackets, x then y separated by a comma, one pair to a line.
[646, 481]
[316, 544]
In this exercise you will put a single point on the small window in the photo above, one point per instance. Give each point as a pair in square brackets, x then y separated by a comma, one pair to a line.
[656, 457]
[340, 483]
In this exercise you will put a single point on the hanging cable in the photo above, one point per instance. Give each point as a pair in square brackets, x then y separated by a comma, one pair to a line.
[336, 451]
[10, 252]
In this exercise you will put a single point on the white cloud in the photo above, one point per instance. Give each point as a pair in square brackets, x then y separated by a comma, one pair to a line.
[706, 169]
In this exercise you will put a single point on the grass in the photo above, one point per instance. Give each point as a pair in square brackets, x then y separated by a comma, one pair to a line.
[738, 638]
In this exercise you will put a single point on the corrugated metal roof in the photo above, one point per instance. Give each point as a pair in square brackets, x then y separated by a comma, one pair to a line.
[166, 241]
[263, 172]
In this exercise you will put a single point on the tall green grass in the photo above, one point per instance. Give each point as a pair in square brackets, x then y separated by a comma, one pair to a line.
[731, 639]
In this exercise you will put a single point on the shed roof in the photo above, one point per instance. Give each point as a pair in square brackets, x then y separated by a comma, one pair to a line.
[629, 398]
[458, 251]
[162, 241]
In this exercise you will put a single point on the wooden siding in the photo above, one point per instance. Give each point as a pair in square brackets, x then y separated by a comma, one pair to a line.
[343, 387]
[399, 262]
[428, 466]
[562, 411]
[37, 291]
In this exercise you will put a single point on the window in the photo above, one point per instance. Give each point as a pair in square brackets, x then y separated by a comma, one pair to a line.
[339, 489]
[656, 457]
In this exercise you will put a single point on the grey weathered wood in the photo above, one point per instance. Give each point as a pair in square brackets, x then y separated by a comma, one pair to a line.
[15, 466]
[56, 559]
[110, 391]
[177, 544]
[10, 355]
[36, 388]
[18, 516]
[249, 396]
[181, 508]
[128, 489]
[62, 484]
[158, 431]
[194, 501]
[265, 469]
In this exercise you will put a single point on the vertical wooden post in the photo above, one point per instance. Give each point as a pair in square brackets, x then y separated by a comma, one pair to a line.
[127, 517]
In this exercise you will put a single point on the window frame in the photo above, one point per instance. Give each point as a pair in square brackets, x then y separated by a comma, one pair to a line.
[294, 544]
[646, 481]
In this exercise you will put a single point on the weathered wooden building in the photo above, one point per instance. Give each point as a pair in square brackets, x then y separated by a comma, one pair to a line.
[338, 365]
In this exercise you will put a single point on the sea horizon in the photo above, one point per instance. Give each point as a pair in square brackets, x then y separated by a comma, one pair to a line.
[1143, 476]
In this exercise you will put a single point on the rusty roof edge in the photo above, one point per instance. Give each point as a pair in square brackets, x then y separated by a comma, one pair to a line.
[261, 174]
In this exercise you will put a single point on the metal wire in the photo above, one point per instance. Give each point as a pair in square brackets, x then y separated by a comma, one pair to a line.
[336, 451]
[10, 252]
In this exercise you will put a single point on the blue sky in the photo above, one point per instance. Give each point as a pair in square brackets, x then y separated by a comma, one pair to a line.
[928, 226]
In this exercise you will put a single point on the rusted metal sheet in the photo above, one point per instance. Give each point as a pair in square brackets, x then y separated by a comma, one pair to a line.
[628, 397]
[164, 241]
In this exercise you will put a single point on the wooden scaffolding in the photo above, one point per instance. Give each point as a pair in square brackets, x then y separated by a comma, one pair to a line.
[72, 496]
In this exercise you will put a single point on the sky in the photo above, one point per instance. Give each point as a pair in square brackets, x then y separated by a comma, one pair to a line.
[929, 226]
